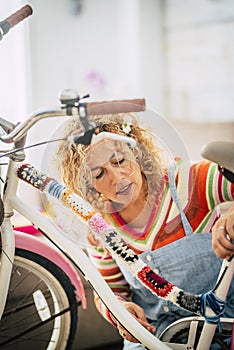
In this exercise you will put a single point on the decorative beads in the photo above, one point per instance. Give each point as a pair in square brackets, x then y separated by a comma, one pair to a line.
[55, 189]
[29, 174]
[78, 205]
[119, 247]
[98, 224]
[189, 301]
[154, 282]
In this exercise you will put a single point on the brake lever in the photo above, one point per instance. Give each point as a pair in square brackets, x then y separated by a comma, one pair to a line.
[69, 99]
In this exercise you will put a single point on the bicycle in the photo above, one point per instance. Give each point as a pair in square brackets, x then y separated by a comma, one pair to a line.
[61, 315]
[17, 134]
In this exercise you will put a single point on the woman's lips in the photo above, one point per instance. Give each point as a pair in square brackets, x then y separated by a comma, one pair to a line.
[125, 190]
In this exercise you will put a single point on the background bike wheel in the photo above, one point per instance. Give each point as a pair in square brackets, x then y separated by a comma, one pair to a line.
[39, 290]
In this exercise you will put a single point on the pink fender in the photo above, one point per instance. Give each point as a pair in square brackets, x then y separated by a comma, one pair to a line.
[34, 244]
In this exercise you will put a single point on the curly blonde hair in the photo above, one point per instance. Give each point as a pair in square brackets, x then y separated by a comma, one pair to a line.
[71, 156]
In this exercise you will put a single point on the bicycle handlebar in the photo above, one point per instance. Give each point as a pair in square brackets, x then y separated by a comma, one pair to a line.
[113, 107]
[92, 108]
[14, 19]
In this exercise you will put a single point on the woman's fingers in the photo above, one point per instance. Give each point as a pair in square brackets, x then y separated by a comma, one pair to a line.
[221, 241]
[139, 314]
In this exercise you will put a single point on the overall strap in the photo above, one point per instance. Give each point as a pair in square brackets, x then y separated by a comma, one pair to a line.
[187, 227]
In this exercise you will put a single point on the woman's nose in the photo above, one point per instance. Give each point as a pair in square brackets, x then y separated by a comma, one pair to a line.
[116, 174]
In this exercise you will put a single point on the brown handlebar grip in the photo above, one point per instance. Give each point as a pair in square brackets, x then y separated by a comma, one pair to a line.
[114, 107]
[19, 15]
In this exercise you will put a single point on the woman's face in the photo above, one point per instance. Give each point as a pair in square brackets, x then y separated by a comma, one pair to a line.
[114, 172]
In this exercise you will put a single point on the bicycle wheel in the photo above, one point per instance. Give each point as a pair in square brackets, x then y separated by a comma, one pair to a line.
[41, 311]
[180, 332]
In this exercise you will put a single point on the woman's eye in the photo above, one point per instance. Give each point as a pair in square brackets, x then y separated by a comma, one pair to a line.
[99, 174]
[118, 161]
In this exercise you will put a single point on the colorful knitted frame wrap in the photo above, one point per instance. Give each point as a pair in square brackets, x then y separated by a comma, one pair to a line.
[110, 239]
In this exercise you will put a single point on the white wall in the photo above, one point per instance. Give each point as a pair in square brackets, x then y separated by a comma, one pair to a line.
[199, 54]
[177, 54]
[105, 50]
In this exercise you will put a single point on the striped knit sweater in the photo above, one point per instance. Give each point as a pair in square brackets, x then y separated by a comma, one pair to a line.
[200, 187]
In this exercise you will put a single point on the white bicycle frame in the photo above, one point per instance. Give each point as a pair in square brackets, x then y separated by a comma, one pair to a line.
[12, 202]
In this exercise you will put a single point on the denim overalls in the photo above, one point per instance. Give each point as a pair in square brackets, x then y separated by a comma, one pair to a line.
[190, 263]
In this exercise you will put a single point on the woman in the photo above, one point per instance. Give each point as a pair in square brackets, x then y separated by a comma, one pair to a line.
[126, 177]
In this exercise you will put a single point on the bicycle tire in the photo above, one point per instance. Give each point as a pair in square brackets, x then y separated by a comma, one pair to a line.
[218, 340]
[38, 290]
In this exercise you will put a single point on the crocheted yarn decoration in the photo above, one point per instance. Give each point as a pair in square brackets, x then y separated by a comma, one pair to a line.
[110, 239]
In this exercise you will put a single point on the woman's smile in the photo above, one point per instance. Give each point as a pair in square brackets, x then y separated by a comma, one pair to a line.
[125, 190]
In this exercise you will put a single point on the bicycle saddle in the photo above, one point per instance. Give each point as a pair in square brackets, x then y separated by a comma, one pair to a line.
[220, 152]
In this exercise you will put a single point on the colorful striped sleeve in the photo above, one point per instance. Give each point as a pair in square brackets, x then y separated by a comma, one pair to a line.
[111, 273]
[213, 187]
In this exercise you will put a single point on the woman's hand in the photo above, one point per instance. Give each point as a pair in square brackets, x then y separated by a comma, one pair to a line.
[139, 314]
[223, 235]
